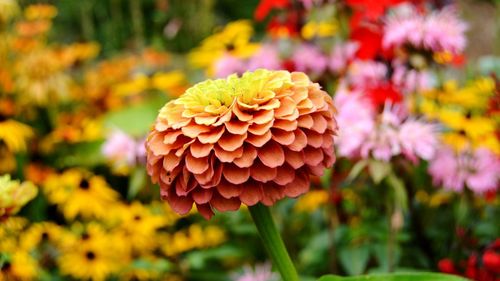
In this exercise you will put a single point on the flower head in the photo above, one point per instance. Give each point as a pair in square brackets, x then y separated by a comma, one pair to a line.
[249, 139]
[261, 272]
[14, 195]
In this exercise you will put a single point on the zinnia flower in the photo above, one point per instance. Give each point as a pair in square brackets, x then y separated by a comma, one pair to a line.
[478, 169]
[249, 139]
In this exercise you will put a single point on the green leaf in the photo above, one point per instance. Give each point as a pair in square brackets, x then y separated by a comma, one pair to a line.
[378, 170]
[354, 259]
[137, 180]
[400, 194]
[413, 276]
[356, 170]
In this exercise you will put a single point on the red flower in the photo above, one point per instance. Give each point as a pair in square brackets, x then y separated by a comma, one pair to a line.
[372, 10]
[265, 7]
[491, 261]
[284, 26]
[447, 266]
[370, 42]
[382, 93]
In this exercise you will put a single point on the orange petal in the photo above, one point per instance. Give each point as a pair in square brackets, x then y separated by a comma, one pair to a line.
[202, 196]
[224, 118]
[257, 140]
[263, 116]
[228, 156]
[271, 104]
[305, 104]
[327, 140]
[260, 129]
[314, 139]
[231, 142]
[228, 190]
[156, 145]
[286, 125]
[205, 120]
[181, 205]
[306, 121]
[234, 174]
[196, 165]
[285, 174]
[272, 193]
[193, 130]
[237, 127]
[223, 205]
[242, 116]
[320, 123]
[251, 193]
[298, 186]
[161, 125]
[300, 141]
[283, 137]
[271, 154]
[171, 137]
[300, 79]
[247, 158]
[294, 158]
[287, 107]
[313, 156]
[199, 149]
[299, 94]
[170, 161]
[205, 210]
[262, 173]
[318, 170]
[213, 136]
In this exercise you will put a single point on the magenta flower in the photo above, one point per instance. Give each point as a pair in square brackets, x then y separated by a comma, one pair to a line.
[411, 80]
[365, 74]
[478, 169]
[418, 139]
[120, 148]
[341, 55]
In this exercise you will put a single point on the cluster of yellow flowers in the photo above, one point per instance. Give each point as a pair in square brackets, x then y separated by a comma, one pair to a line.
[14, 194]
[466, 112]
[105, 236]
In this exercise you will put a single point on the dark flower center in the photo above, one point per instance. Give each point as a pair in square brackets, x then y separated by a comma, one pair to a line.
[45, 236]
[137, 218]
[85, 236]
[90, 255]
[84, 184]
[6, 267]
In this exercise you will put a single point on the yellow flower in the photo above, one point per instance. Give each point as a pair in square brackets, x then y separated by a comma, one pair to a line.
[40, 11]
[14, 195]
[39, 233]
[21, 266]
[136, 85]
[233, 39]
[94, 255]
[8, 10]
[311, 201]
[173, 82]
[138, 226]
[15, 135]
[319, 29]
[79, 193]
[195, 237]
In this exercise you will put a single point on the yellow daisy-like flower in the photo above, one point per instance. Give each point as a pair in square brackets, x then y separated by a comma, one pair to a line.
[40, 233]
[80, 193]
[139, 225]
[93, 255]
[319, 29]
[311, 201]
[233, 39]
[14, 195]
[136, 85]
[172, 82]
[21, 266]
[196, 237]
[15, 134]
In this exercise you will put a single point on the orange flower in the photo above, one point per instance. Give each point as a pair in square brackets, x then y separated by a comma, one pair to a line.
[255, 138]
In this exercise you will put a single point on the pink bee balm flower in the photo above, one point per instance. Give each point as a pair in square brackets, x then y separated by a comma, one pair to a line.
[364, 74]
[249, 139]
[478, 169]
[121, 149]
[267, 57]
[227, 65]
[418, 139]
[341, 55]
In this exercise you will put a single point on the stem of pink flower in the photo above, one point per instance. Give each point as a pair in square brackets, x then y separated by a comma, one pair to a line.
[272, 242]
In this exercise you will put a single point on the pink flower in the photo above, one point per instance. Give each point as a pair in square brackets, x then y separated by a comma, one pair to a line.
[267, 57]
[228, 65]
[444, 31]
[341, 55]
[364, 74]
[120, 149]
[411, 80]
[439, 31]
[479, 169]
[418, 139]
[261, 272]
[309, 59]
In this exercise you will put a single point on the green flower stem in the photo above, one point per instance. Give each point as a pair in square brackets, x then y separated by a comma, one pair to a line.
[272, 242]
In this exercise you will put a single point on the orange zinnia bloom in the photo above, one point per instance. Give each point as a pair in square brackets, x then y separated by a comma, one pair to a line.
[250, 139]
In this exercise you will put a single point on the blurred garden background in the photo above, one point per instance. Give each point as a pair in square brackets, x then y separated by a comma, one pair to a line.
[415, 186]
